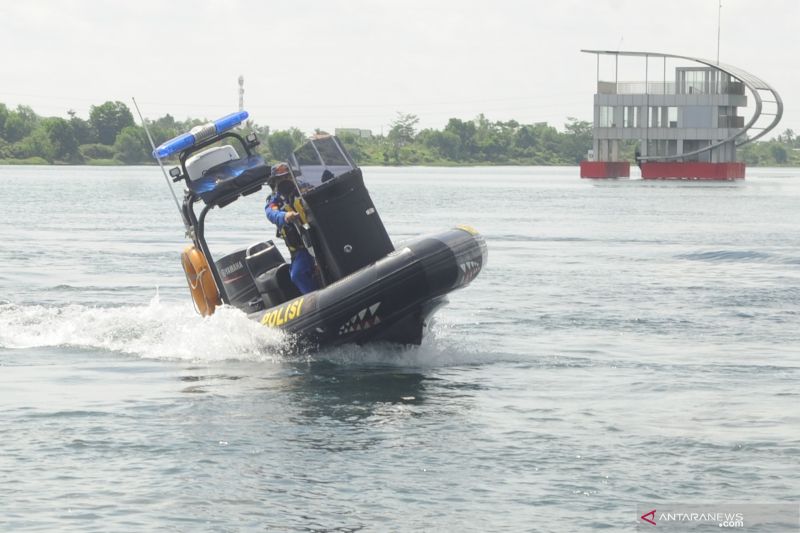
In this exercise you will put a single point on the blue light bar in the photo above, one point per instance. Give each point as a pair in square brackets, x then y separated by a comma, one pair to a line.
[199, 134]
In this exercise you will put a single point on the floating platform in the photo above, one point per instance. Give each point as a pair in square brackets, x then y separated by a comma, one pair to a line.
[605, 169]
[691, 171]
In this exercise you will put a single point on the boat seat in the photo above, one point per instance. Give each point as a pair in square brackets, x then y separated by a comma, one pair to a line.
[275, 285]
[261, 257]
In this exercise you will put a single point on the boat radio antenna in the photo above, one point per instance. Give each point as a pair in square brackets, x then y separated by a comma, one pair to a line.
[163, 170]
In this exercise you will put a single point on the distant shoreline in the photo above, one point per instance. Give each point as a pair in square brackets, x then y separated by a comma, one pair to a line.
[116, 164]
[110, 137]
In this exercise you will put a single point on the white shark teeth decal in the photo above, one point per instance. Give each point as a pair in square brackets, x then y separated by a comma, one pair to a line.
[364, 319]
[469, 270]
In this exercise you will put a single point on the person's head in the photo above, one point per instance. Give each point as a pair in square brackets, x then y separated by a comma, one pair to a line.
[280, 179]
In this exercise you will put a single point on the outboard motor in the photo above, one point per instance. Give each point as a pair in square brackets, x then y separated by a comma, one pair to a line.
[240, 271]
[238, 282]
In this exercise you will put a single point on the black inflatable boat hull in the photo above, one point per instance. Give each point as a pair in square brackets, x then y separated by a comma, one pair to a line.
[389, 300]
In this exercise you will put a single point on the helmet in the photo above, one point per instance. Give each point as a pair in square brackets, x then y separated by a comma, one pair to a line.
[277, 173]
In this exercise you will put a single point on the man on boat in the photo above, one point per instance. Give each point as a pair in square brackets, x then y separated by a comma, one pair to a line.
[285, 210]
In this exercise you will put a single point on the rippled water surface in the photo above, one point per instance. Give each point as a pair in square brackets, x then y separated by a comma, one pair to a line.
[628, 342]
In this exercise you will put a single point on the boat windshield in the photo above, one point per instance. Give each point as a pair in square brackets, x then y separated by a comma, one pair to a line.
[319, 160]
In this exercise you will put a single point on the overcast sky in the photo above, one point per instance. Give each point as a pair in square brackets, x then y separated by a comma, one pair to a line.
[356, 63]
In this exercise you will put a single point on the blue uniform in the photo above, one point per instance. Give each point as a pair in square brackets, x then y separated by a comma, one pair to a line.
[302, 270]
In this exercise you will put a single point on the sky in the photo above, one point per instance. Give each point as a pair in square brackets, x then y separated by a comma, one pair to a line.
[357, 63]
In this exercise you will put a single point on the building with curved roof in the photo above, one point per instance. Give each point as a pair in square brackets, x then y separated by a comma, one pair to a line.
[686, 127]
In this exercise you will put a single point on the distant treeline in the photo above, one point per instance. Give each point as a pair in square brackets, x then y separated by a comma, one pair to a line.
[110, 136]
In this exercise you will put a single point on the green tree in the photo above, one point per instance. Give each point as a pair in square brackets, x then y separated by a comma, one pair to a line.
[549, 142]
[489, 140]
[62, 138]
[97, 151]
[167, 121]
[109, 119]
[524, 140]
[281, 144]
[786, 137]
[577, 139]
[401, 134]
[36, 144]
[3, 118]
[354, 146]
[298, 137]
[130, 146]
[20, 123]
[402, 131]
[83, 131]
[446, 143]
[165, 128]
[15, 128]
[779, 154]
[466, 135]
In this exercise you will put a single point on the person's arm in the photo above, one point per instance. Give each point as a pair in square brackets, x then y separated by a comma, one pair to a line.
[274, 213]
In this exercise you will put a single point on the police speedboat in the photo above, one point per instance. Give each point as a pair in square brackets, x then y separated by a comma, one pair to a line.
[370, 290]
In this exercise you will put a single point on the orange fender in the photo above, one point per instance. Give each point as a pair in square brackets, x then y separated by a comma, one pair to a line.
[201, 282]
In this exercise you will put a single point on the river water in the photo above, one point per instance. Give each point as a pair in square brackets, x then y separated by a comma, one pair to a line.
[628, 342]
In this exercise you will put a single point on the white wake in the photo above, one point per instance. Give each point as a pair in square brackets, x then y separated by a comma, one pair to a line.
[154, 330]
[161, 330]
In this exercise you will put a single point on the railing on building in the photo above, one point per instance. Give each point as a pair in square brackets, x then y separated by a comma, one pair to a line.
[669, 87]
